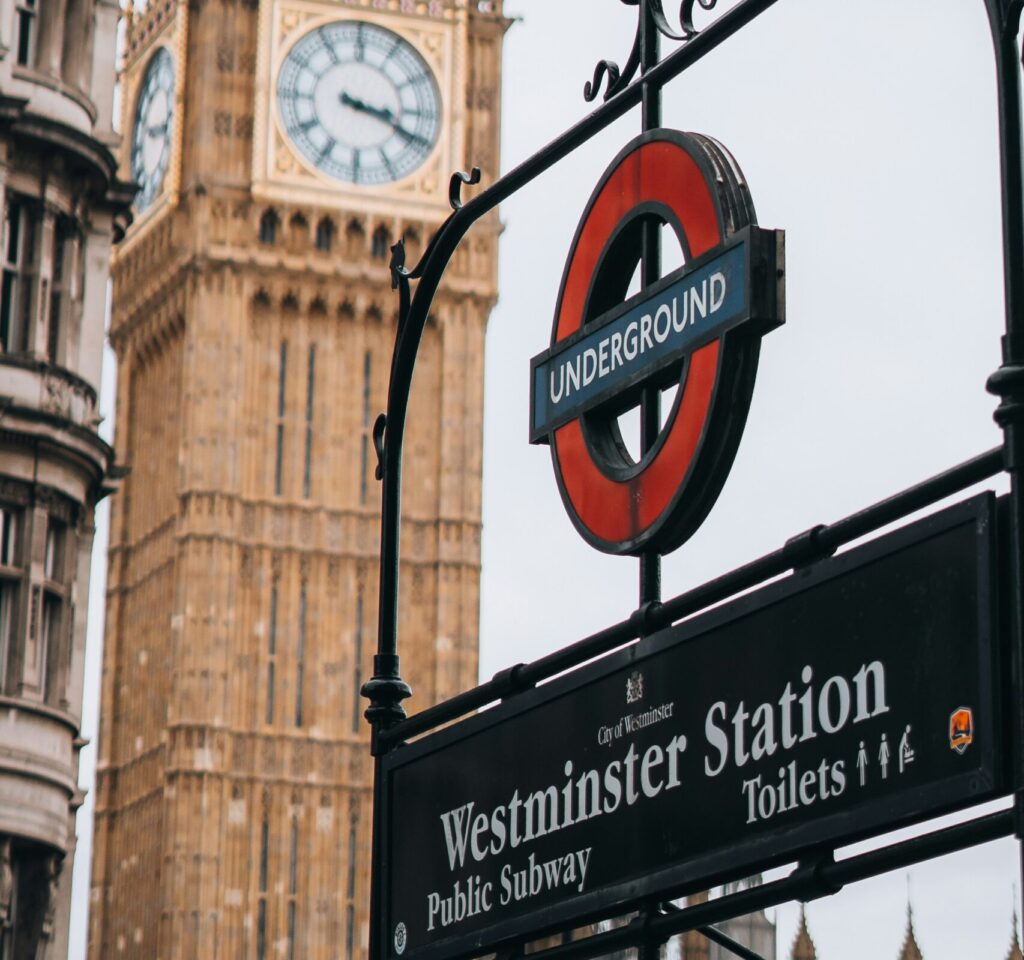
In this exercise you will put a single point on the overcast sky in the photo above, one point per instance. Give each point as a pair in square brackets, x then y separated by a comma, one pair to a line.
[867, 130]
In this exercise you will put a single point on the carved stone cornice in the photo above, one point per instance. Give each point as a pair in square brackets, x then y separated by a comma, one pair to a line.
[44, 368]
[316, 530]
[56, 438]
[150, 314]
[84, 153]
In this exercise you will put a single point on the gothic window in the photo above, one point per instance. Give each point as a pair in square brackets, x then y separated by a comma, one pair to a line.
[354, 237]
[411, 238]
[310, 376]
[26, 25]
[271, 654]
[293, 886]
[298, 232]
[19, 244]
[261, 909]
[282, 379]
[268, 227]
[350, 918]
[381, 243]
[300, 657]
[364, 458]
[324, 235]
[11, 576]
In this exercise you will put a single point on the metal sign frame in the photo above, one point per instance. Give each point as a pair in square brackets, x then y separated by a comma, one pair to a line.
[437, 765]
[638, 84]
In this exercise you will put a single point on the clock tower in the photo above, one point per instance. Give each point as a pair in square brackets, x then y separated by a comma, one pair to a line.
[280, 148]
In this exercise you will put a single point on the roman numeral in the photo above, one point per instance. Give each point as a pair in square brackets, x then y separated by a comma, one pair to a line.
[328, 46]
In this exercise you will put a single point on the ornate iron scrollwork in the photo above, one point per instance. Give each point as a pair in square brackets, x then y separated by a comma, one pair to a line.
[379, 427]
[455, 185]
[618, 79]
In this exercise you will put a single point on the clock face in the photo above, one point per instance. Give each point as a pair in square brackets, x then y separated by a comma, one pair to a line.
[359, 103]
[151, 135]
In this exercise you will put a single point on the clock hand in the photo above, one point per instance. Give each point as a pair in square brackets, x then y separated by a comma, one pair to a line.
[378, 113]
[408, 135]
[384, 114]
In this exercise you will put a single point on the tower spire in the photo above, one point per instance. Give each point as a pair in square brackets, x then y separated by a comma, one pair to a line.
[1014, 953]
[910, 951]
[803, 946]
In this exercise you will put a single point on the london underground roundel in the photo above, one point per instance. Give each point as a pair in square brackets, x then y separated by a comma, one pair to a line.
[699, 328]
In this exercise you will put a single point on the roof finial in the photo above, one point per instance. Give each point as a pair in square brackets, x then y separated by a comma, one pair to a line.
[1014, 952]
[911, 950]
[803, 946]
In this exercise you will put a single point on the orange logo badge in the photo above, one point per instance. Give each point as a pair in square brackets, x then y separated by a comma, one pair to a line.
[961, 729]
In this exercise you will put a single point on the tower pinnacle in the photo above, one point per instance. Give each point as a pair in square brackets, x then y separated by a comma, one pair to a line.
[803, 946]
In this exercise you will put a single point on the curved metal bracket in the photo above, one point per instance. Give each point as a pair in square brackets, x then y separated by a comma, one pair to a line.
[379, 426]
[455, 186]
[616, 79]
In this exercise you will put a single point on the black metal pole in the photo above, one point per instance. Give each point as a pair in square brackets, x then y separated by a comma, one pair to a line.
[650, 272]
[1008, 381]
[651, 948]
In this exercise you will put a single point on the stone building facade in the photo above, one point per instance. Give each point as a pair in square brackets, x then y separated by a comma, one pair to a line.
[253, 322]
[62, 207]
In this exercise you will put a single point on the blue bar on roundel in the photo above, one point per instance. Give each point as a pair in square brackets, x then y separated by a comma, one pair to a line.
[689, 310]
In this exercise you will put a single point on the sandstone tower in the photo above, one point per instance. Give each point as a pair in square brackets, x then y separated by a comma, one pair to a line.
[62, 207]
[281, 147]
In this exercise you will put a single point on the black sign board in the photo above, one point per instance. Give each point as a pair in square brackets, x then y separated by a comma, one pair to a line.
[850, 698]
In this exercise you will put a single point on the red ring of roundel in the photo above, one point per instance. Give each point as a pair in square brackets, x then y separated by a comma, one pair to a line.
[616, 513]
